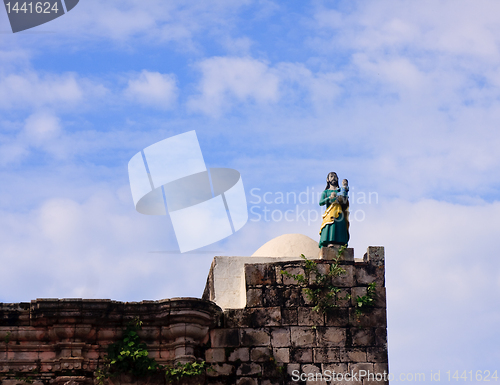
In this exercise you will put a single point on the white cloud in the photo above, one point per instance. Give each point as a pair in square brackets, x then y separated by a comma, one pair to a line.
[441, 272]
[153, 88]
[456, 27]
[28, 90]
[12, 153]
[95, 248]
[158, 22]
[438, 54]
[227, 81]
[230, 78]
[399, 71]
[41, 128]
[321, 89]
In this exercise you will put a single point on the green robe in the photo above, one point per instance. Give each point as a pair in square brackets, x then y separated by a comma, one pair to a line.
[338, 231]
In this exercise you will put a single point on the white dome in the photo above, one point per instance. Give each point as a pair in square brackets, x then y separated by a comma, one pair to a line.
[289, 245]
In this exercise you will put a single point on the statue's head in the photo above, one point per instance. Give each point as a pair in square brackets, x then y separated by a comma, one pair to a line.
[332, 179]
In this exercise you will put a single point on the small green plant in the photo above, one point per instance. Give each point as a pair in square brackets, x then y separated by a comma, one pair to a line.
[321, 292]
[130, 356]
[366, 301]
[28, 378]
[7, 338]
[101, 376]
[179, 371]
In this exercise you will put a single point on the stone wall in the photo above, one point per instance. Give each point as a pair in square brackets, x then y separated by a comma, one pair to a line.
[64, 341]
[275, 339]
[279, 334]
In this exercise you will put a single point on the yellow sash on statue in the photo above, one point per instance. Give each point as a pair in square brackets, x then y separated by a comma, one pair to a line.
[332, 212]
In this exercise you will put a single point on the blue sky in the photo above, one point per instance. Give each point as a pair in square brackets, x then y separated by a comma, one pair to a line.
[400, 97]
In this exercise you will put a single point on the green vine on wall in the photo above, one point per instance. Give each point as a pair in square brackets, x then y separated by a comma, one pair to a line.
[7, 338]
[321, 292]
[366, 301]
[130, 356]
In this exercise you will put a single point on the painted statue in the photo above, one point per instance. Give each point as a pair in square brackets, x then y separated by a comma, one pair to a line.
[335, 226]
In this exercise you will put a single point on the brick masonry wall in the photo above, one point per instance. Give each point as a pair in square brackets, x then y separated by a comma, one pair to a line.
[63, 341]
[279, 334]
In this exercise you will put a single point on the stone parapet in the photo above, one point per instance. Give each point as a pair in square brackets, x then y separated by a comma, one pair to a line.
[53, 338]
[278, 333]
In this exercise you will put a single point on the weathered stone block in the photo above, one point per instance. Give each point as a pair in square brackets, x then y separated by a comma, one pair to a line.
[246, 381]
[381, 337]
[292, 270]
[302, 336]
[301, 355]
[346, 279]
[368, 273]
[377, 354]
[309, 317]
[313, 375]
[255, 337]
[331, 336]
[330, 253]
[254, 297]
[382, 368]
[355, 367]
[265, 316]
[49, 355]
[291, 368]
[277, 271]
[292, 296]
[337, 317]
[357, 291]
[272, 296]
[280, 337]
[260, 354]
[239, 354]
[376, 255]
[23, 356]
[362, 337]
[334, 368]
[305, 299]
[249, 369]
[215, 355]
[369, 317]
[289, 316]
[259, 274]
[224, 338]
[220, 370]
[323, 269]
[325, 355]
[234, 318]
[353, 355]
[281, 355]
[380, 297]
